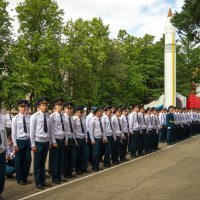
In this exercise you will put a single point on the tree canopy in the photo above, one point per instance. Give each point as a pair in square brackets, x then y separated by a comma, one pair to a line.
[77, 60]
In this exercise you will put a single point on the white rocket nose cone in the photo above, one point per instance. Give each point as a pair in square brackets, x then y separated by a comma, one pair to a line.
[169, 13]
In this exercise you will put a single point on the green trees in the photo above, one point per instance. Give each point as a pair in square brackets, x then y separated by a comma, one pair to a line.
[78, 61]
[188, 20]
[188, 57]
[5, 49]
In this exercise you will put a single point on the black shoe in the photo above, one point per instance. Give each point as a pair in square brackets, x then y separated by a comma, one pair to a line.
[40, 186]
[21, 182]
[56, 181]
[79, 172]
[95, 169]
[86, 171]
[64, 180]
[133, 156]
[107, 166]
[47, 184]
[115, 163]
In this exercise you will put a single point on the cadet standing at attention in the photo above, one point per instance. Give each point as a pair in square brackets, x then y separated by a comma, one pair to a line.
[70, 151]
[125, 130]
[142, 131]
[118, 136]
[82, 149]
[4, 151]
[58, 141]
[170, 125]
[96, 133]
[21, 142]
[109, 136]
[134, 129]
[40, 134]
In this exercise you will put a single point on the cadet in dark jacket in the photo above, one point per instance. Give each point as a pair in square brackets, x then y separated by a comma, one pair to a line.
[170, 125]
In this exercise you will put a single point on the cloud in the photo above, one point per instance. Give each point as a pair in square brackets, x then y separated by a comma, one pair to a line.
[137, 17]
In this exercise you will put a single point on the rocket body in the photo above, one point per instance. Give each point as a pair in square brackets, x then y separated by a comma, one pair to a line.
[170, 63]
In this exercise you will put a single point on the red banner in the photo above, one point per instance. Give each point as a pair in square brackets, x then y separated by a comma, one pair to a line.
[193, 101]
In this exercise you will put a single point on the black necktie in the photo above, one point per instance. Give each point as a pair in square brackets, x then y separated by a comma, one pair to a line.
[10, 118]
[82, 126]
[137, 119]
[45, 124]
[101, 125]
[63, 128]
[70, 125]
[110, 124]
[120, 128]
[144, 119]
[127, 122]
[150, 120]
[24, 123]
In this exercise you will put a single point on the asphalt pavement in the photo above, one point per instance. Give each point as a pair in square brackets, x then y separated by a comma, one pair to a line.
[172, 173]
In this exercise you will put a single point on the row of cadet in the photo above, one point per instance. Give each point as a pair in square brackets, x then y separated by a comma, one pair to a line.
[75, 140]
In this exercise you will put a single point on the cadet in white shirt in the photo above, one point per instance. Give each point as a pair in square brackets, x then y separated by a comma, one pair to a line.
[109, 135]
[148, 123]
[88, 118]
[96, 134]
[8, 121]
[158, 128]
[70, 151]
[4, 151]
[125, 130]
[142, 134]
[21, 142]
[153, 139]
[40, 135]
[118, 135]
[82, 149]
[58, 140]
[134, 129]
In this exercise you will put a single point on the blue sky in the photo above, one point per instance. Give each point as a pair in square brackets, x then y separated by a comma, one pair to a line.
[137, 17]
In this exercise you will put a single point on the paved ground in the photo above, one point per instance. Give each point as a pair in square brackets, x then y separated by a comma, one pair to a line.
[170, 174]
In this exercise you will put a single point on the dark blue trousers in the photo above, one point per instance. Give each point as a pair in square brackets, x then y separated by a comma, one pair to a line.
[2, 171]
[23, 160]
[161, 132]
[108, 151]
[141, 140]
[82, 155]
[40, 157]
[134, 142]
[124, 147]
[147, 142]
[57, 157]
[116, 150]
[96, 149]
[169, 136]
[154, 139]
[69, 158]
